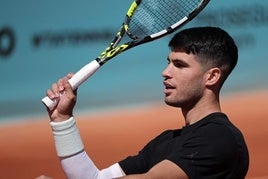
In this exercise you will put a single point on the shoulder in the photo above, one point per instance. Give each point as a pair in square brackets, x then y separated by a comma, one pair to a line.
[166, 135]
[160, 142]
[220, 126]
[219, 135]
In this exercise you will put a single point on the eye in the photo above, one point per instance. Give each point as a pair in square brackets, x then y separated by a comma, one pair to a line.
[180, 64]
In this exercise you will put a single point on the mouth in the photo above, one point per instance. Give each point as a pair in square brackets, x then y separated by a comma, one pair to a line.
[168, 88]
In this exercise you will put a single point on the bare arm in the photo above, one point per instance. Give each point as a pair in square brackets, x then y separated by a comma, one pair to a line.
[165, 169]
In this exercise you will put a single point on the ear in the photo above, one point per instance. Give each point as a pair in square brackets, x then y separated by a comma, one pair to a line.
[213, 76]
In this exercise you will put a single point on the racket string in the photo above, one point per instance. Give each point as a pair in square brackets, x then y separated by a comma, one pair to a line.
[153, 16]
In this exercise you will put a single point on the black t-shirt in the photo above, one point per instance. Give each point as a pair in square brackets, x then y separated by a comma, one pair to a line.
[210, 148]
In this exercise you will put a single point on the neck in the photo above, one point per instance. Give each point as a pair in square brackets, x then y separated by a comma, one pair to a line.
[201, 109]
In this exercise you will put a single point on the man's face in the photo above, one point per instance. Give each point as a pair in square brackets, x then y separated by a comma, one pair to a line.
[183, 80]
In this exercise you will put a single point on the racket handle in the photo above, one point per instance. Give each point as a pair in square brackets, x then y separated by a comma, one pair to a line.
[79, 77]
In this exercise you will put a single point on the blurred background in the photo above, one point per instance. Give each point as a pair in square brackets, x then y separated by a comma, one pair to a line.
[41, 41]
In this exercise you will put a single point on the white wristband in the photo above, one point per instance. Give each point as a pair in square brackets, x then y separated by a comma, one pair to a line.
[67, 138]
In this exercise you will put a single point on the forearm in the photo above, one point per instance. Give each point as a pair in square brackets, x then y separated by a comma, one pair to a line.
[74, 160]
[81, 166]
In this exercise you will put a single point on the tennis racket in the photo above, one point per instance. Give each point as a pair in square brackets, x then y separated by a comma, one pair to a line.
[145, 21]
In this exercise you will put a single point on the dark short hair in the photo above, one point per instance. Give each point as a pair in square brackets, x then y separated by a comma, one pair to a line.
[213, 46]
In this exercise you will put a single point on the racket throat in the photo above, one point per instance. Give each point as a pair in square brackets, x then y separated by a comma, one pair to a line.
[111, 52]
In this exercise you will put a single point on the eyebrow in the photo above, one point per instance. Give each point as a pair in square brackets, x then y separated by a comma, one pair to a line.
[177, 61]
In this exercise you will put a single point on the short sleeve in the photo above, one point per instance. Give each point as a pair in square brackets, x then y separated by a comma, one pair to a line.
[146, 158]
[207, 150]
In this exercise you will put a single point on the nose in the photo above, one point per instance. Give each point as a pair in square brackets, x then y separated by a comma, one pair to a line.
[166, 72]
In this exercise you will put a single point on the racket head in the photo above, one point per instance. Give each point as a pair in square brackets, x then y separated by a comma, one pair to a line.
[151, 19]
[147, 20]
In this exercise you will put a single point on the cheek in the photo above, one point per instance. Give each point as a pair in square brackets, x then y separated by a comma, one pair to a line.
[195, 88]
[188, 79]
[190, 84]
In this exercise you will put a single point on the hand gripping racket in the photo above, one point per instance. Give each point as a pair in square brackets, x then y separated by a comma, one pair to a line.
[145, 21]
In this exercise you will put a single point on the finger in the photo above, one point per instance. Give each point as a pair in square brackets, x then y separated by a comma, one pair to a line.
[51, 94]
[67, 85]
[55, 90]
[60, 85]
[70, 75]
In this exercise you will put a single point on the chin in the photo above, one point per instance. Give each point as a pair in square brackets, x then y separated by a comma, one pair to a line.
[172, 103]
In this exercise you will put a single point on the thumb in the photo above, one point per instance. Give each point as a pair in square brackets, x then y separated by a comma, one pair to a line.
[69, 87]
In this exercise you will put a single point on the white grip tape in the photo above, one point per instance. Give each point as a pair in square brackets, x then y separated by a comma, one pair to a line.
[79, 77]
[67, 138]
[49, 103]
[84, 73]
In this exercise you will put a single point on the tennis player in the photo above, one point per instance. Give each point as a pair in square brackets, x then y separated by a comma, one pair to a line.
[208, 146]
